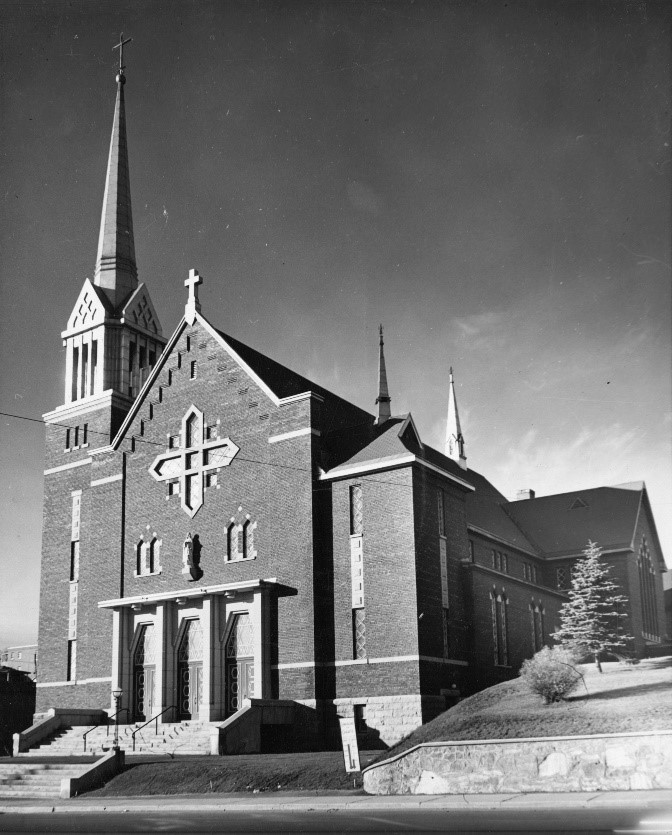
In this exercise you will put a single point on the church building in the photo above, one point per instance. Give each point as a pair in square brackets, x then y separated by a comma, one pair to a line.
[221, 532]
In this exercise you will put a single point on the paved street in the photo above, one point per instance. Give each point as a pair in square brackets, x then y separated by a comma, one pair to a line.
[615, 812]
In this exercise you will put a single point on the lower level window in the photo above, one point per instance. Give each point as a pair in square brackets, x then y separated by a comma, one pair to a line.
[358, 634]
[72, 661]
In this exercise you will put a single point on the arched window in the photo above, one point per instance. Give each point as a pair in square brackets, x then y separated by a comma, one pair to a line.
[231, 542]
[537, 625]
[647, 587]
[139, 562]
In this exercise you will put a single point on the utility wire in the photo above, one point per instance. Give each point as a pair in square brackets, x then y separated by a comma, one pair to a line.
[237, 458]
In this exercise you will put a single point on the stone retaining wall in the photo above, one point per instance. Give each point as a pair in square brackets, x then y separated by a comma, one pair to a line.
[610, 762]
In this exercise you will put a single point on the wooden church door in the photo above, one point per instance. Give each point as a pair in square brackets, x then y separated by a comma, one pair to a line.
[144, 665]
[239, 663]
[190, 670]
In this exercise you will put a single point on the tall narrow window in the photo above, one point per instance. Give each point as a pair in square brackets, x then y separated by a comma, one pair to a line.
[72, 661]
[242, 541]
[231, 542]
[471, 550]
[67, 438]
[647, 589]
[75, 372]
[139, 554]
[356, 510]
[152, 556]
[76, 436]
[537, 624]
[131, 356]
[85, 434]
[499, 629]
[74, 561]
[445, 623]
[358, 634]
[193, 371]
[441, 512]
[85, 370]
[142, 357]
[94, 366]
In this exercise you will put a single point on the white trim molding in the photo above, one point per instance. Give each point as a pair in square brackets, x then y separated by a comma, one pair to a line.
[69, 466]
[297, 433]
[108, 480]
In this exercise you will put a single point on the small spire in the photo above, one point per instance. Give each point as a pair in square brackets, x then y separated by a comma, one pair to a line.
[383, 400]
[454, 438]
[116, 271]
[193, 305]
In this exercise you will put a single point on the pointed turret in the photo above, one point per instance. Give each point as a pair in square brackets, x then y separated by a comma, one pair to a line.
[383, 400]
[454, 439]
[116, 272]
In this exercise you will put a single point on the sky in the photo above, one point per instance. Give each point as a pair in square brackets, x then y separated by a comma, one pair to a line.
[490, 180]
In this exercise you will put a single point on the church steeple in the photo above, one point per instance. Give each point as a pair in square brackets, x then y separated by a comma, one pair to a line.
[383, 400]
[454, 439]
[116, 271]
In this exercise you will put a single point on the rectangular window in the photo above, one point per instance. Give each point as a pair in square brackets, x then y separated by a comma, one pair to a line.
[188, 343]
[142, 362]
[441, 512]
[471, 550]
[192, 370]
[74, 560]
[76, 513]
[67, 438]
[94, 365]
[131, 356]
[563, 577]
[358, 634]
[72, 661]
[499, 630]
[76, 436]
[75, 372]
[356, 510]
[152, 359]
[85, 434]
[85, 370]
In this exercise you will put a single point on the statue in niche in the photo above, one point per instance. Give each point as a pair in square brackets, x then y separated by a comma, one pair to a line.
[191, 557]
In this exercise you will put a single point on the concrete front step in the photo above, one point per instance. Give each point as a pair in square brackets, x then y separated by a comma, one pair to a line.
[180, 737]
[40, 780]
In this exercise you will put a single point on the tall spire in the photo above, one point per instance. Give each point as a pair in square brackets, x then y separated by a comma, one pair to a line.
[383, 400]
[116, 271]
[454, 439]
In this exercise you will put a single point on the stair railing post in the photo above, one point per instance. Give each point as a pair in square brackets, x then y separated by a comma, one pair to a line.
[117, 696]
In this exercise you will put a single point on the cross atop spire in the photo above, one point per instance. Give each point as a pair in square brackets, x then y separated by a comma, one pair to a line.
[454, 440]
[120, 46]
[383, 400]
[193, 306]
[116, 271]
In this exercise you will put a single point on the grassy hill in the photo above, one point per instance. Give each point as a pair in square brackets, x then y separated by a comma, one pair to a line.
[622, 698]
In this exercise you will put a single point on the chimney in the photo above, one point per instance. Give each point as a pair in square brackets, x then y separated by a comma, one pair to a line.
[521, 495]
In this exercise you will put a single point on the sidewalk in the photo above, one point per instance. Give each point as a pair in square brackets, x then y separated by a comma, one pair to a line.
[659, 801]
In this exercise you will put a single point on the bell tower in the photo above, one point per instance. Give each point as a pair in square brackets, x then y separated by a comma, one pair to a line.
[113, 336]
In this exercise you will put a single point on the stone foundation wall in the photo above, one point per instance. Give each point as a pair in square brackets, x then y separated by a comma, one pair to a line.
[611, 762]
[390, 718]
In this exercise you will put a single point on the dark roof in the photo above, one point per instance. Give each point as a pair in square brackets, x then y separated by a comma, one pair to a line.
[281, 380]
[485, 510]
[390, 439]
[563, 523]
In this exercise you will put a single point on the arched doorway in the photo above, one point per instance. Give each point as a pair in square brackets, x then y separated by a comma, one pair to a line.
[239, 653]
[144, 664]
[190, 670]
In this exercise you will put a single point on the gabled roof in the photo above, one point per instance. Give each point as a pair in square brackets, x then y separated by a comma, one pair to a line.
[393, 443]
[560, 524]
[485, 511]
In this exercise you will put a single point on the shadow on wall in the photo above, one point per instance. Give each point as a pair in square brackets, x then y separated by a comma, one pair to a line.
[17, 705]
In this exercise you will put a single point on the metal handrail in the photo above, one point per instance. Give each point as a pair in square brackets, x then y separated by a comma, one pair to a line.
[125, 710]
[153, 719]
[106, 722]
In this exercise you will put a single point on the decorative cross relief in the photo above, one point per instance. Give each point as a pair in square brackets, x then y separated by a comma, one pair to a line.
[196, 457]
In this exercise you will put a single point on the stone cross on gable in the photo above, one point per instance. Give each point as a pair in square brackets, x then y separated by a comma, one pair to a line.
[196, 457]
[193, 305]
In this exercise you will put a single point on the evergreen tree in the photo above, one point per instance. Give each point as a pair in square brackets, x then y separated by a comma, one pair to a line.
[592, 619]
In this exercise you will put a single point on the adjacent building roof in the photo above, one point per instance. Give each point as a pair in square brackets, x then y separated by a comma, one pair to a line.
[563, 523]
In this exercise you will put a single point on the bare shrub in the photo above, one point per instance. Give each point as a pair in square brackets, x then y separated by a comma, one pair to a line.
[551, 674]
